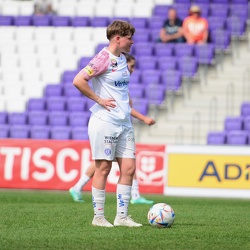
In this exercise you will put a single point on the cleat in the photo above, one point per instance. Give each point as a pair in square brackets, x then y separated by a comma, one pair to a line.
[125, 221]
[101, 222]
[77, 196]
[141, 200]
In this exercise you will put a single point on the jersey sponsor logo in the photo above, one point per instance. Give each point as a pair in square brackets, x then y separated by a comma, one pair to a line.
[89, 70]
[107, 151]
[125, 73]
[114, 65]
[121, 83]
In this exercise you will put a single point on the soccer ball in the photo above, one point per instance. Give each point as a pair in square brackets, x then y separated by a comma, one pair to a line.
[161, 215]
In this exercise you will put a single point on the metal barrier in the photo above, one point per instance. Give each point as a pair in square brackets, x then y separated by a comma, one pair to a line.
[213, 107]
[229, 99]
[196, 120]
[179, 135]
[246, 85]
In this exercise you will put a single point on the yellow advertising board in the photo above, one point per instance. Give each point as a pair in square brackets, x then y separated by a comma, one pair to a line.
[205, 170]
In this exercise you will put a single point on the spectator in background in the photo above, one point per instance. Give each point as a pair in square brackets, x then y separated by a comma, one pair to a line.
[171, 31]
[195, 27]
[43, 7]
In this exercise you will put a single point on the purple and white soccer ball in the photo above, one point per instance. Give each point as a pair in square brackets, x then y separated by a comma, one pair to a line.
[161, 215]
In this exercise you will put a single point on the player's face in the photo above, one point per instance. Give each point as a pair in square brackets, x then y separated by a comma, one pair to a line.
[126, 43]
[131, 66]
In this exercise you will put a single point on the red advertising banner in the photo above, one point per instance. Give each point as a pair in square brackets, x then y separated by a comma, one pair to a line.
[51, 164]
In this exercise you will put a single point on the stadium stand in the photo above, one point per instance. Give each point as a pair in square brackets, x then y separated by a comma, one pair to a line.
[47, 51]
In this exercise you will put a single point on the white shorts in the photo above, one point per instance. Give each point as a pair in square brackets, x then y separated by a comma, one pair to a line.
[109, 141]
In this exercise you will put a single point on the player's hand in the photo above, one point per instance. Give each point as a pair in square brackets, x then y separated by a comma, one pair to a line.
[106, 103]
[149, 121]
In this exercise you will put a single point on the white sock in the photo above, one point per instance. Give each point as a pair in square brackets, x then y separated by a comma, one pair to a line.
[98, 200]
[81, 183]
[123, 197]
[135, 190]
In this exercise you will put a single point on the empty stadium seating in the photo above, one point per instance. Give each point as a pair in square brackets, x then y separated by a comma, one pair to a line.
[48, 51]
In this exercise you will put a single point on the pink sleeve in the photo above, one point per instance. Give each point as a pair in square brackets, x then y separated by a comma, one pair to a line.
[98, 65]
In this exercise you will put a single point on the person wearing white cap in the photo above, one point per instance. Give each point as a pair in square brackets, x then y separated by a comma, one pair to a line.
[195, 27]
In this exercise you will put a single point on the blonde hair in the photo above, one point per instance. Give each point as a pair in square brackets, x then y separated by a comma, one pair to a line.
[120, 28]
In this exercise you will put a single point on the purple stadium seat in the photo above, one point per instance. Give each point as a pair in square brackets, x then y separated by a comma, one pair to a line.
[205, 53]
[166, 63]
[155, 22]
[139, 22]
[218, 10]
[143, 49]
[80, 133]
[171, 79]
[135, 77]
[36, 104]
[185, 5]
[55, 103]
[236, 26]
[3, 117]
[71, 91]
[150, 76]
[154, 35]
[4, 131]
[69, 75]
[23, 21]
[99, 21]
[161, 10]
[221, 39]
[84, 62]
[39, 118]
[40, 132]
[204, 9]
[53, 90]
[183, 1]
[58, 118]
[61, 21]
[120, 18]
[19, 131]
[6, 20]
[239, 2]
[41, 20]
[188, 66]
[155, 94]
[17, 118]
[100, 46]
[233, 123]
[146, 62]
[216, 23]
[238, 10]
[78, 104]
[80, 21]
[136, 91]
[246, 123]
[237, 137]
[245, 108]
[60, 133]
[221, 1]
[183, 49]
[141, 35]
[141, 105]
[79, 119]
[90, 103]
[201, 1]
[216, 138]
[163, 49]
[183, 13]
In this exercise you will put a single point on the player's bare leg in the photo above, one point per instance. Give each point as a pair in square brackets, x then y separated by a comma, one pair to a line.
[102, 170]
[76, 191]
[123, 192]
[136, 198]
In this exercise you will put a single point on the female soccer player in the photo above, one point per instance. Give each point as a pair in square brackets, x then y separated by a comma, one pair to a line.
[76, 191]
[111, 133]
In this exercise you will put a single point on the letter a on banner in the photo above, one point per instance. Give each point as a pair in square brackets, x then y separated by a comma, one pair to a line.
[206, 172]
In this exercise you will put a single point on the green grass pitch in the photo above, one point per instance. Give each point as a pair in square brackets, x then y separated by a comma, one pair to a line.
[51, 220]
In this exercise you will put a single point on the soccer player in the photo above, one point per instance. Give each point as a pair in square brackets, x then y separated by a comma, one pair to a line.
[76, 191]
[110, 130]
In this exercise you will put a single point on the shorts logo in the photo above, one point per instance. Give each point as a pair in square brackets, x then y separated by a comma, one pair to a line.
[107, 151]
[89, 70]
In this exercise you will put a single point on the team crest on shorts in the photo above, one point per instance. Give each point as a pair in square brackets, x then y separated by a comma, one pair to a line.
[107, 151]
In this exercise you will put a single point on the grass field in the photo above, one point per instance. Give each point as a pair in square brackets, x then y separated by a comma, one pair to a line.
[50, 220]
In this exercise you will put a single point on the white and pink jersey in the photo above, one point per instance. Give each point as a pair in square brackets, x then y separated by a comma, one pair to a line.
[110, 78]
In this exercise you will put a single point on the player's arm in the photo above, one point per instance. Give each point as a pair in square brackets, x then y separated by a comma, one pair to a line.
[148, 120]
[164, 36]
[97, 66]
